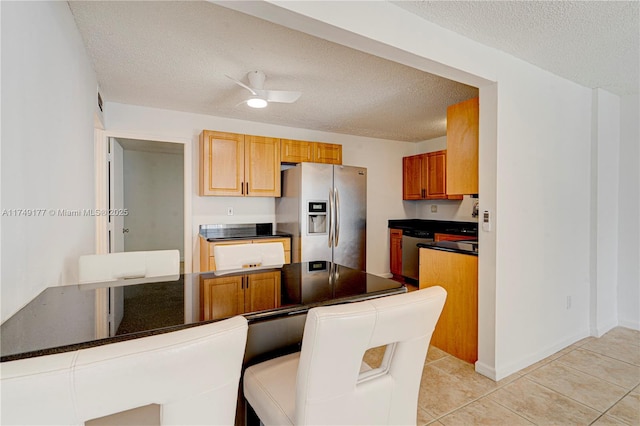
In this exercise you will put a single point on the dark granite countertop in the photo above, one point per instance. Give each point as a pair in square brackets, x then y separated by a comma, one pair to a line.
[240, 231]
[462, 247]
[64, 318]
[436, 226]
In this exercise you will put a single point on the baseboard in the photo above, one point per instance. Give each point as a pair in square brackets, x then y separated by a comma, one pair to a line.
[634, 325]
[485, 370]
[600, 329]
[507, 370]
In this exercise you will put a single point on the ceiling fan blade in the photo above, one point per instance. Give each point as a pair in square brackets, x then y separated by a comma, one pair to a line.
[241, 84]
[283, 96]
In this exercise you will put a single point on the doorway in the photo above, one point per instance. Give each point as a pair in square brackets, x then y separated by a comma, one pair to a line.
[146, 204]
[146, 193]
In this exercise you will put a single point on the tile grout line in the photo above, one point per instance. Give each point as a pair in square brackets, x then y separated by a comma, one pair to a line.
[609, 409]
[568, 397]
[596, 377]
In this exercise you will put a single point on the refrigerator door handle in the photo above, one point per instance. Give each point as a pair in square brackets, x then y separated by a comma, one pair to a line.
[331, 218]
[337, 218]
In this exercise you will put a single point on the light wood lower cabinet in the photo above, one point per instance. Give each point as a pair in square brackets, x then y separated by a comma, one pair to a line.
[395, 258]
[457, 329]
[451, 237]
[207, 258]
[224, 297]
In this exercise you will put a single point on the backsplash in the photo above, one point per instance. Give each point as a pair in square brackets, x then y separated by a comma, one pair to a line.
[456, 210]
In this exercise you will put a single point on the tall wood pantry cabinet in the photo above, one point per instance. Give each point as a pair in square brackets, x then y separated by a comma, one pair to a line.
[233, 164]
[462, 147]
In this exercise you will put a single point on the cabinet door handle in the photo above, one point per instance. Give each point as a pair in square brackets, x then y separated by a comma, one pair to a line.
[247, 188]
[242, 188]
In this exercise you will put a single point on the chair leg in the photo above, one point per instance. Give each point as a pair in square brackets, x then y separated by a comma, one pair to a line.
[250, 416]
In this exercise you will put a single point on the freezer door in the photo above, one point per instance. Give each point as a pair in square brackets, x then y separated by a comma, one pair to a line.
[316, 183]
[350, 186]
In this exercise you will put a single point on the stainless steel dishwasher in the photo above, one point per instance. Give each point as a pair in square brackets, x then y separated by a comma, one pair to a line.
[410, 251]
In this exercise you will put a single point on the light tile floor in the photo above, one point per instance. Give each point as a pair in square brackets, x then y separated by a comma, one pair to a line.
[595, 381]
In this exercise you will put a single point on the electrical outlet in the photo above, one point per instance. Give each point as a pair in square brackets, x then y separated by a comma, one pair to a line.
[434, 208]
[229, 211]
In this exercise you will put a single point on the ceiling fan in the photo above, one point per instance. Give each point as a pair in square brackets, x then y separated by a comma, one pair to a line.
[260, 97]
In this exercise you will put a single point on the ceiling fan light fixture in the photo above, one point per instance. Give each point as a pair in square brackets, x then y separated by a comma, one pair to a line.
[257, 102]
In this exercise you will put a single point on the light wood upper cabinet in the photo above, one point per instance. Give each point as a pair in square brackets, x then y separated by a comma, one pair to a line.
[262, 166]
[462, 147]
[414, 177]
[436, 170]
[327, 153]
[239, 165]
[221, 163]
[294, 151]
[424, 177]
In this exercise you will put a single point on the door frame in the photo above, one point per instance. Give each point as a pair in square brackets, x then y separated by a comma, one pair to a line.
[101, 158]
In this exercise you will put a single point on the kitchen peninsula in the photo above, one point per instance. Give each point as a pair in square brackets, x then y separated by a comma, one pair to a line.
[62, 318]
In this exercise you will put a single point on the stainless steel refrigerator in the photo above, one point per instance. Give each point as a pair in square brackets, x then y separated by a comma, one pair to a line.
[324, 207]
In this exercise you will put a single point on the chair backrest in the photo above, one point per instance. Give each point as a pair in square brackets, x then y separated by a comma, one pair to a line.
[193, 374]
[239, 256]
[331, 389]
[131, 264]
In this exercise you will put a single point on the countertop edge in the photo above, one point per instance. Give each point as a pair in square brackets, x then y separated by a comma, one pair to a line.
[451, 250]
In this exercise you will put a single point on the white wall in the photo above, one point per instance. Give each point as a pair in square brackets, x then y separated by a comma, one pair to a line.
[48, 94]
[382, 158]
[541, 159]
[605, 177]
[153, 197]
[629, 214]
[541, 218]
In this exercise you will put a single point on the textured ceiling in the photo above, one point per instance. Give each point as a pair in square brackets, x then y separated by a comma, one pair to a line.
[594, 43]
[174, 55]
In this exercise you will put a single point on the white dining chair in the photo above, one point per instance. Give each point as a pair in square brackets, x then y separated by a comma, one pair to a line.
[193, 374]
[127, 265]
[243, 256]
[327, 382]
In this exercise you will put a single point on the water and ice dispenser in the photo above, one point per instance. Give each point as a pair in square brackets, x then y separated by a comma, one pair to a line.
[317, 217]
